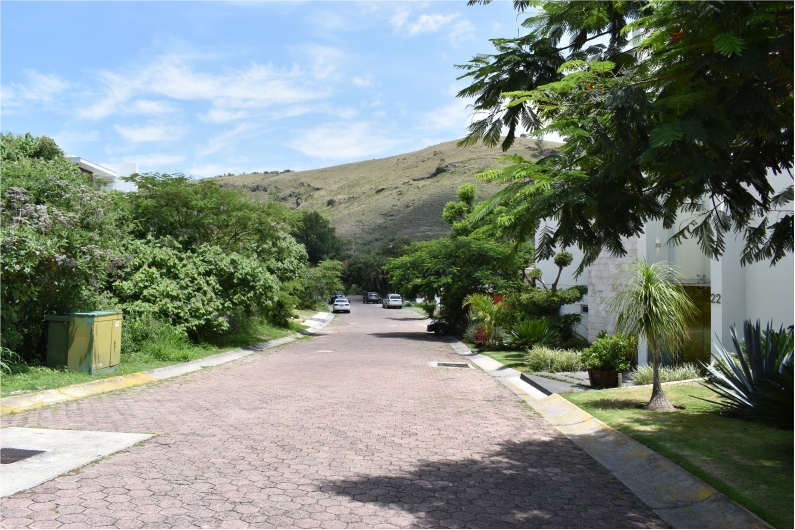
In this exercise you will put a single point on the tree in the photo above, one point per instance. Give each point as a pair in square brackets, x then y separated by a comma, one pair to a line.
[544, 303]
[198, 212]
[58, 239]
[651, 304]
[318, 237]
[456, 213]
[689, 116]
[453, 268]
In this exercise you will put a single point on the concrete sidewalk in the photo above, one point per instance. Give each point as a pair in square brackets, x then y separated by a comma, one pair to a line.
[25, 402]
[678, 497]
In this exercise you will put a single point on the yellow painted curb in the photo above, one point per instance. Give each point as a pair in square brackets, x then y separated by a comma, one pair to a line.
[558, 411]
[27, 402]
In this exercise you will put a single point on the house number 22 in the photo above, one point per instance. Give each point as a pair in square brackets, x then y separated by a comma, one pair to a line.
[714, 298]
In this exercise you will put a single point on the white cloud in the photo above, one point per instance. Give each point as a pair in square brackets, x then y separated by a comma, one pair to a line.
[326, 60]
[40, 88]
[257, 86]
[366, 80]
[153, 160]
[213, 170]
[342, 141]
[430, 23]
[147, 106]
[149, 133]
[224, 139]
[400, 17]
[463, 30]
[223, 115]
[452, 117]
[70, 136]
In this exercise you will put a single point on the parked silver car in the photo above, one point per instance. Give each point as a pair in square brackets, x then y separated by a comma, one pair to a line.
[341, 305]
[392, 300]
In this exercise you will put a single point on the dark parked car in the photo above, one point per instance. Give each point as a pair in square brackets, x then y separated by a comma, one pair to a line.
[438, 327]
[371, 298]
[338, 294]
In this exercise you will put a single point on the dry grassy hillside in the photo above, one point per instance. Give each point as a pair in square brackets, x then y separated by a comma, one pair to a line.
[380, 200]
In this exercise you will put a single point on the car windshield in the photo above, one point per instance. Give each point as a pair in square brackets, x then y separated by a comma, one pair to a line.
[342, 301]
[394, 297]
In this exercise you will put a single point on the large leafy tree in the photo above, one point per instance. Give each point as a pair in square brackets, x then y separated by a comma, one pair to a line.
[58, 239]
[318, 237]
[454, 268]
[690, 115]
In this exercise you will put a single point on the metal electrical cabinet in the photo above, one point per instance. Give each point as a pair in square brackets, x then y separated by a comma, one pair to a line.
[85, 342]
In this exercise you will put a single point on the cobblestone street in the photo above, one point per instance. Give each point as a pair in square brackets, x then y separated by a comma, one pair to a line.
[351, 428]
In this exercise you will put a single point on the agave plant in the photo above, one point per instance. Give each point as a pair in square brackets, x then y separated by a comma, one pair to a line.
[533, 332]
[757, 380]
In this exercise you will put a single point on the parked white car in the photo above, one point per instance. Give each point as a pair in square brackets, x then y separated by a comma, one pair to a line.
[341, 305]
[393, 300]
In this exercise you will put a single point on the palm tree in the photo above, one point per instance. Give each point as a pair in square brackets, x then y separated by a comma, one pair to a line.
[651, 303]
[485, 311]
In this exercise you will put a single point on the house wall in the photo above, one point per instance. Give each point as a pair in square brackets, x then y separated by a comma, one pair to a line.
[123, 170]
[603, 274]
[756, 291]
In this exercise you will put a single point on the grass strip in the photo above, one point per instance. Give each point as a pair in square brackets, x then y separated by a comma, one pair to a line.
[750, 462]
[38, 378]
[511, 359]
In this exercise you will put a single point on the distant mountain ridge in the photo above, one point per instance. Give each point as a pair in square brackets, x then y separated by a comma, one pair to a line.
[375, 201]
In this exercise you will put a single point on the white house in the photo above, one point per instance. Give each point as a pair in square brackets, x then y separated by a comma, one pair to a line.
[110, 173]
[725, 292]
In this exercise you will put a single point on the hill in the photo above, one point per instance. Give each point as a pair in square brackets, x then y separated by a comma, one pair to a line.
[380, 200]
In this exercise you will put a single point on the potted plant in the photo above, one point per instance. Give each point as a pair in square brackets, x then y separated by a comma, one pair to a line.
[608, 355]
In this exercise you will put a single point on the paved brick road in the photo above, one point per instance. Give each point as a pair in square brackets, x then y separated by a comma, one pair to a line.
[367, 435]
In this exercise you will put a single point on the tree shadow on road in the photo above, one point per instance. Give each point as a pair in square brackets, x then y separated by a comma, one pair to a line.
[408, 335]
[530, 484]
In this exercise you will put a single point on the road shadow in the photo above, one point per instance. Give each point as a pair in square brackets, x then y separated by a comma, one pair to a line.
[533, 484]
[423, 336]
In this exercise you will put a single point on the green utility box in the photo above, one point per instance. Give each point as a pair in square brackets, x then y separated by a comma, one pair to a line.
[85, 342]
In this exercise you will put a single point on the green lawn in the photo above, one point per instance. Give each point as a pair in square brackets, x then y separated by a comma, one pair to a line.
[43, 378]
[511, 359]
[750, 462]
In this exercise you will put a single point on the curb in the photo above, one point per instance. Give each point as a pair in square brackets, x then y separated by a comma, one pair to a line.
[678, 497]
[45, 398]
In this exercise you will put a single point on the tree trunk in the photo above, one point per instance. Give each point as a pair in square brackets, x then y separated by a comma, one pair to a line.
[658, 401]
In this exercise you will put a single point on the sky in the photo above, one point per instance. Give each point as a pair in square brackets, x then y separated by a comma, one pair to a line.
[210, 88]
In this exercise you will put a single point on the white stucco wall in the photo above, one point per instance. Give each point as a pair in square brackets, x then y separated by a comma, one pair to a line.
[756, 291]
[123, 170]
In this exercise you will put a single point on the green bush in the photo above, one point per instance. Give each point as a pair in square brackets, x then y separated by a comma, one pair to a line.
[642, 375]
[545, 359]
[531, 333]
[147, 338]
[533, 303]
[610, 352]
[429, 308]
